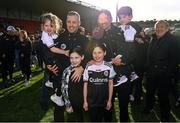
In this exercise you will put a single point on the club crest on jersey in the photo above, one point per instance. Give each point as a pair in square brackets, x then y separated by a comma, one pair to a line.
[63, 46]
[105, 73]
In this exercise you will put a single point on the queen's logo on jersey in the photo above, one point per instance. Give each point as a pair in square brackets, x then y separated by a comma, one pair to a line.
[63, 46]
[106, 73]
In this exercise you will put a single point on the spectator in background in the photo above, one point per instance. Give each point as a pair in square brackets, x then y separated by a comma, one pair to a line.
[9, 40]
[148, 33]
[37, 49]
[161, 63]
[33, 56]
[17, 66]
[24, 47]
[1, 53]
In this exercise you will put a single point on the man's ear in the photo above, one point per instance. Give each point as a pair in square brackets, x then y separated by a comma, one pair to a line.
[79, 23]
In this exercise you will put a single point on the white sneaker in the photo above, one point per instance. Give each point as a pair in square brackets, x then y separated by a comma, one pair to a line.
[133, 76]
[122, 79]
[57, 99]
[49, 84]
[26, 83]
[131, 97]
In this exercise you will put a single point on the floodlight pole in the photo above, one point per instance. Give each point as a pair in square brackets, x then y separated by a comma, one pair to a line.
[117, 3]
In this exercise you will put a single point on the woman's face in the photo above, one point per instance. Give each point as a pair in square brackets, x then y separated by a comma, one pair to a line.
[160, 29]
[98, 55]
[75, 59]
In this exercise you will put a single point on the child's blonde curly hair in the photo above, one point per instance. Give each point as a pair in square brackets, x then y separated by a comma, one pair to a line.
[55, 21]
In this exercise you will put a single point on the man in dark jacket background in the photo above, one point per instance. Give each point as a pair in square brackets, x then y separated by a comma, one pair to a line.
[161, 63]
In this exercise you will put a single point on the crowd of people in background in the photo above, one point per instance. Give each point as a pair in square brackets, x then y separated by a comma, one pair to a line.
[87, 72]
[19, 51]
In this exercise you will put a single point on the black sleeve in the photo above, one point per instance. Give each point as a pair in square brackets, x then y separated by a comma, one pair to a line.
[29, 47]
[86, 51]
[123, 48]
[43, 51]
[17, 45]
[173, 53]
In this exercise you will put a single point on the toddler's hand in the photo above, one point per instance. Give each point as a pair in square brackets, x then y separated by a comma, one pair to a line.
[69, 110]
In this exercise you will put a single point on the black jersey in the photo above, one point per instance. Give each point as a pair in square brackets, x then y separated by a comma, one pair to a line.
[24, 48]
[98, 77]
[72, 91]
[9, 44]
[68, 41]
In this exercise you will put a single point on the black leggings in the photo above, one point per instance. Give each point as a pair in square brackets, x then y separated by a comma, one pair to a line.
[98, 114]
[58, 113]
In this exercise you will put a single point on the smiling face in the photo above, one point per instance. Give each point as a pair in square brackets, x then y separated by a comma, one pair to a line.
[48, 27]
[72, 23]
[124, 19]
[75, 59]
[104, 21]
[161, 27]
[98, 55]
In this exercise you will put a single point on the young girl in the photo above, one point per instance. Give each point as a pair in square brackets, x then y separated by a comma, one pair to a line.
[51, 27]
[73, 91]
[24, 47]
[98, 85]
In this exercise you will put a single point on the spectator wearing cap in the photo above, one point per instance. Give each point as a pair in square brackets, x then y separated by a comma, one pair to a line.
[136, 46]
[11, 29]
[8, 54]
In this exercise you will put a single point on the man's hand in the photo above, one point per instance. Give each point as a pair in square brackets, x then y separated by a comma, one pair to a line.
[69, 110]
[66, 53]
[117, 61]
[91, 62]
[53, 68]
[77, 73]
